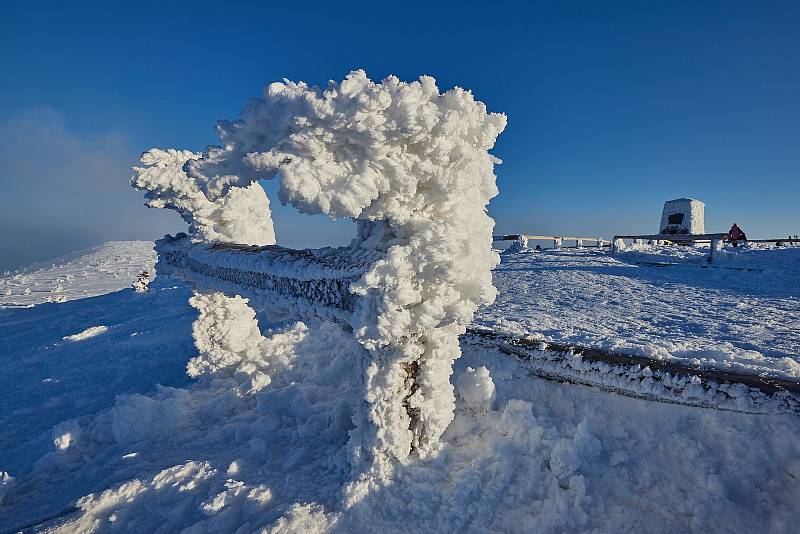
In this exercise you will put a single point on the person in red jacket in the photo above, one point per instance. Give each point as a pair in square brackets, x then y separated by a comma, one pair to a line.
[736, 234]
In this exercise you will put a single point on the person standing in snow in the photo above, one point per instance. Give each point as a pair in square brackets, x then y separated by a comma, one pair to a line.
[735, 234]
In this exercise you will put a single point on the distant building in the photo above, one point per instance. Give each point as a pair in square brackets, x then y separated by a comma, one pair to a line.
[683, 216]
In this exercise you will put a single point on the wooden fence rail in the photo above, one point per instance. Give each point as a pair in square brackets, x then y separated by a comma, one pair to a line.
[716, 240]
[558, 240]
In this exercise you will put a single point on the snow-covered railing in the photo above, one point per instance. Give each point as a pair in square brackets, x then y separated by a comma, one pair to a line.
[703, 238]
[412, 166]
[715, 240]
[558, 241]
[640, 376]
[677, 238]
[285, 283]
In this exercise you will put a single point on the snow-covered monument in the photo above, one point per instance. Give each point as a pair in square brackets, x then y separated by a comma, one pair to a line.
[412, 166]
[682, 216]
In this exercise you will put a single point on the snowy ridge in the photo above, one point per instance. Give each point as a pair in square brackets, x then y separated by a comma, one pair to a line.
[94, 271]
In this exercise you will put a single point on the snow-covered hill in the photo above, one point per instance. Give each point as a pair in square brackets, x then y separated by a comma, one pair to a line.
[91, 442]
[95, 271]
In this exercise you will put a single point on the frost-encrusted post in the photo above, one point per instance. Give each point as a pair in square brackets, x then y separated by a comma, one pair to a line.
[412, 166]
[714, 249]
[520, 244]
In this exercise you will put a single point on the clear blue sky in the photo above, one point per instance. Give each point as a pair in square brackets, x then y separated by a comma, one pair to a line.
[614, 107]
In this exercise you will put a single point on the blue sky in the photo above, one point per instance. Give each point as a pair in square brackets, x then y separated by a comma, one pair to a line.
[614, 107]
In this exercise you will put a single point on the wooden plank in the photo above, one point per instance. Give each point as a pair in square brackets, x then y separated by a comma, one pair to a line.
[701, 237]
[674, 237]
[514, 237]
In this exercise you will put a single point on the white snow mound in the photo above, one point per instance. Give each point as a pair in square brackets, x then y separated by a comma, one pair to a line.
[92, 331]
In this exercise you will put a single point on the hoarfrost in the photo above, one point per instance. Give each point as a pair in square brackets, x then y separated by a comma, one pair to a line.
[476, 387]
[243, 216]
[412, 166]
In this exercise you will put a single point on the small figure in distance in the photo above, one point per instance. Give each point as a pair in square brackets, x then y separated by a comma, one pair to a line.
[735, 234]
[538, 248]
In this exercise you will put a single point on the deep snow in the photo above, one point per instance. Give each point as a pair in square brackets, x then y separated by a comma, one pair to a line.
[258, 438]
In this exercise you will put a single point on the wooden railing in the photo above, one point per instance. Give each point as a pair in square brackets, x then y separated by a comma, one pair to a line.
[558, 241]
[716, 240]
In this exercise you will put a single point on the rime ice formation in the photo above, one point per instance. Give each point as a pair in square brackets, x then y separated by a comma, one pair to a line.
[412, 166]
[476, 388]
[241, 216]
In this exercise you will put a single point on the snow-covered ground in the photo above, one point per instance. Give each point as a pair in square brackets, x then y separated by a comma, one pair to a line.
[86, 273]
[90, 442]
[741, 312]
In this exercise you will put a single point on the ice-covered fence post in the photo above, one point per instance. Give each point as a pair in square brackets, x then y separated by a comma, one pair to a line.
[521, 243]
[412, 166]
[715, 247]
[557, 243]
